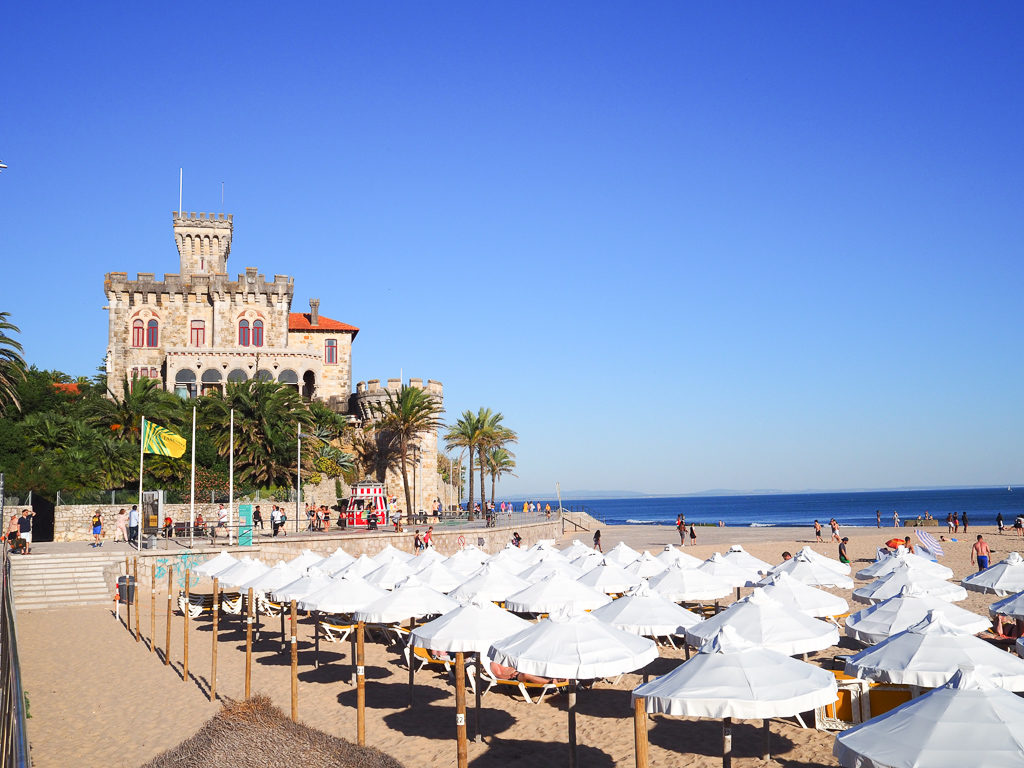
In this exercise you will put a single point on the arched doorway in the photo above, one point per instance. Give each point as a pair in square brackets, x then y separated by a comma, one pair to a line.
[289, 378]
[211, 381]
[308, 384]
[185, 384]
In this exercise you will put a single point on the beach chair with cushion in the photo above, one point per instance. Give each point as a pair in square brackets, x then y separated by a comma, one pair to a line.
[540, 690]
[197, 604]
[336, 631]
[424, 657]
[267, 607]
[232, 603]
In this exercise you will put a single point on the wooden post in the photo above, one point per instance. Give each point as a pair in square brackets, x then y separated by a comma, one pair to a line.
[360, 686]
[462, 748]
[479, 735]
[167, 646]
[352, 658]
[213, 651]
[316, 640]
[184, 672]
[737, 593]
[727, 743]
[766, 727]
[295, 668]
[135, 576]
[412, 660]
[248, 647]
[128, 586]
[573, 751]
[640, 732]
[152, 608]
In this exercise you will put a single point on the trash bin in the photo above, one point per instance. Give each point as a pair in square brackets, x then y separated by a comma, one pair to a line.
[125, 589]
[149, 541]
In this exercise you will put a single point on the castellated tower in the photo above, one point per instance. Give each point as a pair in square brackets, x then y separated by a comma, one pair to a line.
[203, 242]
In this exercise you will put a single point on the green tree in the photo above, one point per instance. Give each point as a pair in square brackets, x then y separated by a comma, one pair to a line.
[140, 398]
[493, 434]
[407, 414]
[12, 364]
[499, 461]
[467, 433]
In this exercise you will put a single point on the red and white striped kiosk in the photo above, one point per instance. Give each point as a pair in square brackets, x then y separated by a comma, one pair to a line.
[366, 498]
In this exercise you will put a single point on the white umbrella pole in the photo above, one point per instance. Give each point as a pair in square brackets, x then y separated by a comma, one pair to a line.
[231, 479]
[640, 732]
[573, 752]
[727, 743]
[412, 658]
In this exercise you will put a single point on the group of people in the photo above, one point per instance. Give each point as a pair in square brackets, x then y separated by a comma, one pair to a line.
[424, 542]
[833, 524]
[681, 527]
[953, 521]
[1018, 524]
[19, 532]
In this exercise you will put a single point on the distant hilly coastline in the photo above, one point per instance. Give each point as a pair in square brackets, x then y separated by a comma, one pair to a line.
[590, 494]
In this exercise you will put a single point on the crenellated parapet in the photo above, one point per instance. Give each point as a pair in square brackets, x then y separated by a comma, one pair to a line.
[147, 289]
[371, 394]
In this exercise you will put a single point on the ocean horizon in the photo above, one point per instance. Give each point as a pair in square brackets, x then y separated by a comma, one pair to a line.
[850, 508]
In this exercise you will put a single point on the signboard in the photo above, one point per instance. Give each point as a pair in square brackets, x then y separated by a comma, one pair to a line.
[245, 525]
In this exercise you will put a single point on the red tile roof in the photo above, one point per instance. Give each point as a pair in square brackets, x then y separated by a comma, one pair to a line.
[299, 321]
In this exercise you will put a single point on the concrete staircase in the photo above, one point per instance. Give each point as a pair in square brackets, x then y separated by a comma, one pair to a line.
[59, 580]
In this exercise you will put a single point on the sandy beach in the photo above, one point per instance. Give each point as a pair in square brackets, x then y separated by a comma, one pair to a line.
[99, 698]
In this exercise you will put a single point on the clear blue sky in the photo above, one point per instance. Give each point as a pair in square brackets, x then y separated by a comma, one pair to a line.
[680, 246]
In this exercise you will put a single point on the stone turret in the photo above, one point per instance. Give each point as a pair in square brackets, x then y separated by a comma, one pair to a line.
[204, 242]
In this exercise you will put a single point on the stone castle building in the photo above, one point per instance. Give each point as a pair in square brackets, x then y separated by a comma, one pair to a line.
[197, 329]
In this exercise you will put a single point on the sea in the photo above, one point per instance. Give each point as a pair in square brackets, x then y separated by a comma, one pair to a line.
[802, 509]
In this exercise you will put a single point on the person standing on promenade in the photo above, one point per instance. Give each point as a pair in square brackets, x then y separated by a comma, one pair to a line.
[878, 518]
[980, 553]
[121, 525]
[817, 532]
[895, 519]
[842, 550]
[999, 522]
[597, 540]
[133, 525]
[222, 522]
[428, 538]
[25, 528]
[417, 542]
[257, 517]
[964, 518]
[693, 536]
[275, 519]
[97, 529]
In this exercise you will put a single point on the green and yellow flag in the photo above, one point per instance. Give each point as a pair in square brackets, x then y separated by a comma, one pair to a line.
[162, 441]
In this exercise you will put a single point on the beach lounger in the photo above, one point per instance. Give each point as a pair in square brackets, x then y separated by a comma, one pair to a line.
[197, 604]
[524, 688]
[336, 633]
[267, 607]
[425, 657]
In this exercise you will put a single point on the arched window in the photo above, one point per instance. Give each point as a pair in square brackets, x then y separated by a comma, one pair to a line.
[243, 333]
[138, 334]
[211, 380]
[257, 333]
[152, 333]
[237, 375]
[185, 384]
[198, 337]
[331, 351]
[264, 376]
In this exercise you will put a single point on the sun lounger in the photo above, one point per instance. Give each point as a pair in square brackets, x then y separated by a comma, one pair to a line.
[524, 688]
[424, 657]
[336, 632]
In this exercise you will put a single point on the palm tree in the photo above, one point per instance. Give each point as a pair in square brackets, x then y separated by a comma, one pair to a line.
[123, 415]
[493, 434]
[407, 414]
[12, 365]
[266, 417]
[499, 461]
[376, 452]
[466, 433]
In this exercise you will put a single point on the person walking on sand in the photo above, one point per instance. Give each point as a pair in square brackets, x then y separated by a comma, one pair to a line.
[597, 540]
[878, 518]
[980, 553]
[956, 522]
[999, 522]
[97, 529]
[842, 550]
[817, 532]
[895, 519]
[25, 528]
[121, 525]
[693, 536]
[964, 518]
[1018, 525]
[949, 523]
[681, 527]
[834, 524]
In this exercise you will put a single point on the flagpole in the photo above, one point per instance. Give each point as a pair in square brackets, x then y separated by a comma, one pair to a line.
[142, 452]
[231, 479]
[298, 481]
[192, 501]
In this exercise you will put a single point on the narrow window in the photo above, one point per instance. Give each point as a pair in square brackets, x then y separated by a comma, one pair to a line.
[257, 333]
[243, 333]
[152, 333]
[331, 351]
[198, 337]
[138, 334]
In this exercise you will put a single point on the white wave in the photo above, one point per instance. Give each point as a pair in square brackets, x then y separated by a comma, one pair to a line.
[762, 525]
[642, 522]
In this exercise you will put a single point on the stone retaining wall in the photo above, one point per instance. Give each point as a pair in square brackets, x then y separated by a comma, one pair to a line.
[73, 522]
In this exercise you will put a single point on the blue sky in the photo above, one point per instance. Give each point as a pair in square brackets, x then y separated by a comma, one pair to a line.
[680, 246]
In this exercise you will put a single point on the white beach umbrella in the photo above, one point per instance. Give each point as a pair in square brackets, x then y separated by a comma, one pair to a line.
[737, 555]
[823, 560]
[889, 617]
[644, 612]
[412, 599]
[313, 580]
[928, 653]
[576, 549]
[215, 565]
[732, 677]
[389, 574]
[812, 571]
[336, 561]
[770, 624]
[544, 568]
[277, 576]
[466, 560]
[344, 594]
[360, 567]
[511, 558]
[804, 598]
[1004, 578]
[244, 570]
[886, 565]
[588, 560]
[437, 576]
[967, 721]
[425, 558]
[543, 550]
[1012, 607]
[609, 578]
[573, 646]
[622, 554]
[670, 555]
[555, 593]
[490, 582]
[648, 565]
[471, 628]
[678, 582]
[893, 583]
[391, 554]
[731, 573]
[305, 559]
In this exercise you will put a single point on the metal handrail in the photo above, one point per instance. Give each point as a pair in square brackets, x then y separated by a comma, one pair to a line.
[14, 750]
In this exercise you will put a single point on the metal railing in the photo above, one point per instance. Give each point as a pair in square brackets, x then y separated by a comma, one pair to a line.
[14, 750]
